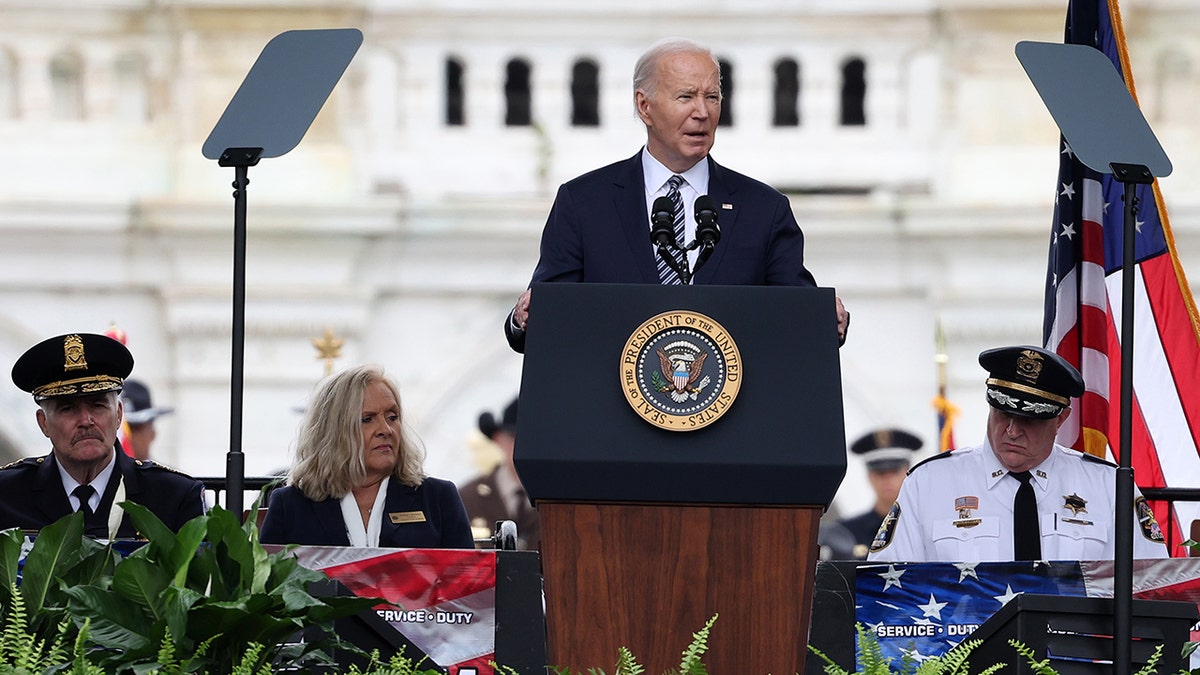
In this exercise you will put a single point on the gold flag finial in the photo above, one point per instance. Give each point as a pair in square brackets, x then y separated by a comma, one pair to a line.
[329, 347]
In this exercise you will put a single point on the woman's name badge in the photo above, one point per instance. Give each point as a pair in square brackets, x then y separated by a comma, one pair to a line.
[407, 517]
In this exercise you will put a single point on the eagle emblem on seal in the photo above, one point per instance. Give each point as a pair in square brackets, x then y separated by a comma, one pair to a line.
[680, 367]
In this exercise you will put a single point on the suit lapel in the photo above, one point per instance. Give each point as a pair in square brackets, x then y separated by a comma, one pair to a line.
[328, 514]
[400, 499]
[723, 193]
[49, 497]
[629, 200]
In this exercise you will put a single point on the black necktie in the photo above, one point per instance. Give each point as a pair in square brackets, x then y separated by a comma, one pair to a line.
[83, 493]
[1027, 540]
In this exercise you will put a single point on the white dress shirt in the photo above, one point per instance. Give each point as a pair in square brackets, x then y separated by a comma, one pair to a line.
[695, 183]
[959, 508]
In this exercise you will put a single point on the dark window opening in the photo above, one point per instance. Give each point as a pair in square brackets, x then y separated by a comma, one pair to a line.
[517, 109]
[455, 98]
[854, 93]
[787, 94]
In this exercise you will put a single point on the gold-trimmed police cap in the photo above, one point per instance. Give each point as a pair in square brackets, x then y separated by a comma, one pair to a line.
[1030, 381]
[77, 364]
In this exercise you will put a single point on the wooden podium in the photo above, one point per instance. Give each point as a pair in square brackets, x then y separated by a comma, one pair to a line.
[648, 530]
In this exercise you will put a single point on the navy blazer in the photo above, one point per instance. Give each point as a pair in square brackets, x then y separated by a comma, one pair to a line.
[293, 518]
[598, 230]
[32, 495]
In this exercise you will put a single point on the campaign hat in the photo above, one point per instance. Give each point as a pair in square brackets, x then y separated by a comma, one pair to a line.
[489, 425]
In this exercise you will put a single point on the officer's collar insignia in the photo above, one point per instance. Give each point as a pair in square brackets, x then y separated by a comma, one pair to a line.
[997, 473]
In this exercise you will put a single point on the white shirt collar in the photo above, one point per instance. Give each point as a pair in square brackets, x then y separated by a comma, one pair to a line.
[99, 483]
[355, 531]
[656, 175]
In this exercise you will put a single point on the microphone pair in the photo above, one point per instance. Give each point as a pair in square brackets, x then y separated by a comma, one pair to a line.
[662, 224]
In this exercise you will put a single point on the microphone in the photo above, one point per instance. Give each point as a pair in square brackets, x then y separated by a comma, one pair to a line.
[662, 234]
[708, 233]
[662, 223]
[707, 230]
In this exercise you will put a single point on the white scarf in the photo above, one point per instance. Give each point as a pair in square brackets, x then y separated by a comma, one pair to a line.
[355, 532]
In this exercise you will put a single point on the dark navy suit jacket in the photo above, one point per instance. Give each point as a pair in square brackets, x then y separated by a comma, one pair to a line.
[599, 231]
[32, 495]
[293, 518]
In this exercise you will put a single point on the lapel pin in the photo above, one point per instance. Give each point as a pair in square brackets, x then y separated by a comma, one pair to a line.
[727, 206]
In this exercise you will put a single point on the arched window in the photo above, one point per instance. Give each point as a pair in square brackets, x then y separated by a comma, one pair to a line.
[133, 99]
[455, 94]
[727, 93]
[854, 93]
[517, 108]
[8, 85]
[66, 86]
[787, 93]
[585, 94]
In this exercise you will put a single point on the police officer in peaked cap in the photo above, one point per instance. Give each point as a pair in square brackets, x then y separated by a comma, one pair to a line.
[971, 504]
[76, 382]
[887, 453]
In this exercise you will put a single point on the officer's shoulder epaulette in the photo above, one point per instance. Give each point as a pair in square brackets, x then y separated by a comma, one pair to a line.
[150, 464]
[1098, 460]
[24, 462]
[940, 455]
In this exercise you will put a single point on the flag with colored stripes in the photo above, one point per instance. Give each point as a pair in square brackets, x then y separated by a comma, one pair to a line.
[444, 600]
[1083, 309]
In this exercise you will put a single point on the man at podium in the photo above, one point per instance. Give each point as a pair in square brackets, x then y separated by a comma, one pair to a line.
[1019, 496]
[599, 228]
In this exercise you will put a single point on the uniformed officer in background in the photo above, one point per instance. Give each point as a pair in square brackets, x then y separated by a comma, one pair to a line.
[498, 494]
[140, 414]
[972, 504]
[888, 454]
[76, 381]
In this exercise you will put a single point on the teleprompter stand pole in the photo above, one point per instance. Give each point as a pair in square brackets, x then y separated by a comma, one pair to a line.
[1130, 175]
[241, 159]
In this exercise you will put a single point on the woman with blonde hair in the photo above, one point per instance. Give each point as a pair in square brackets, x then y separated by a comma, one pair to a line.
[358, 480]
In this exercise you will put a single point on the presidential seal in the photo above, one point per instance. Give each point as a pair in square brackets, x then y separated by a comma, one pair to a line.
[680, 371]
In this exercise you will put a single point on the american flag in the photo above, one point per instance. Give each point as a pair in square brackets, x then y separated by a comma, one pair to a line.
[921, 610]
[1083, 309]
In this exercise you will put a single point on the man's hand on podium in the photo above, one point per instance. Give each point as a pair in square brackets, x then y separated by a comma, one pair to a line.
[843, 321]
[521, 310]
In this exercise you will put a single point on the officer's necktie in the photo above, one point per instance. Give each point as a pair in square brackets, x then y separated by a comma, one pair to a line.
[665, 273]
[1027, 540]
[84, 493]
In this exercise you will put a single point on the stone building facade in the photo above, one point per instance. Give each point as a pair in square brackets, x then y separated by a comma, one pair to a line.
[919, 160]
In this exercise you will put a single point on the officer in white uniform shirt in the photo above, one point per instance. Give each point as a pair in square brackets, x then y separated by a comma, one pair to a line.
[959, 505]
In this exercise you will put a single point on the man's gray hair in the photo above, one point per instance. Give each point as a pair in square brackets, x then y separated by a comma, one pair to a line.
[645, 73]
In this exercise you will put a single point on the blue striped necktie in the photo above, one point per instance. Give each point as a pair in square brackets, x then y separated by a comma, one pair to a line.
[665, 273]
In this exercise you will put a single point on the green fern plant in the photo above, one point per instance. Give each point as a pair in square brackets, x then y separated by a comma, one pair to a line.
[22, 652]
[399, 664]
[872, 661]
